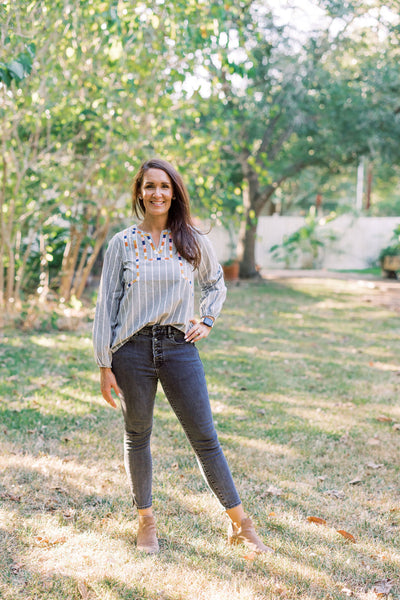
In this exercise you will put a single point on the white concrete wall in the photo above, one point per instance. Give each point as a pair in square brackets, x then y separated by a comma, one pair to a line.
[357, 245]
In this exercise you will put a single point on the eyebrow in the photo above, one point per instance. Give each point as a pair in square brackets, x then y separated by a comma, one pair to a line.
[164, 182]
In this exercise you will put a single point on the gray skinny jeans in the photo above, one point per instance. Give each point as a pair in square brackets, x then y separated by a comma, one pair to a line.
[161, 353]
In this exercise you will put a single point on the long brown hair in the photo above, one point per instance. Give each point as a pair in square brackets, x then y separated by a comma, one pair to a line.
[179, 220]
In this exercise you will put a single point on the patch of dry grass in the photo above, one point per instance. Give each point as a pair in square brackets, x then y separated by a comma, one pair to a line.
[304, 379]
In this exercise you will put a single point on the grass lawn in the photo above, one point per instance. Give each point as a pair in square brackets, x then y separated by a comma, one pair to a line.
[304, 380]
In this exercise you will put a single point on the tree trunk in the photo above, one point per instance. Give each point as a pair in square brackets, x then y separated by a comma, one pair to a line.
[21, 268]
[248, 262]
[253, 203]
[10, 275]
[255, 200]
[2, 232]
[44, 277]
[101, 236]
[70, 259]
[79, 270]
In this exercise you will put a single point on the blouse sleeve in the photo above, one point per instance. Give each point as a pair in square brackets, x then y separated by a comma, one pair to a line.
[211, 280]
[110, 293]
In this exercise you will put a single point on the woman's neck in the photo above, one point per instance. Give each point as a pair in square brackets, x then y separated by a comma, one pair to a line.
[154, 225]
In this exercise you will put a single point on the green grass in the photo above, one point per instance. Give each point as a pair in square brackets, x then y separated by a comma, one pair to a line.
[375, 271]
[304, 380]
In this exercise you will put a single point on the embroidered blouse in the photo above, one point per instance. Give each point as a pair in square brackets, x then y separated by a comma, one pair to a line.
[143, 285]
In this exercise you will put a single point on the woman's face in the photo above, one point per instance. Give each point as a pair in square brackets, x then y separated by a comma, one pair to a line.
[157, 192]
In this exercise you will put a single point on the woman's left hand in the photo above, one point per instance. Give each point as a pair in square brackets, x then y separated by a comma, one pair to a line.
[197, 332]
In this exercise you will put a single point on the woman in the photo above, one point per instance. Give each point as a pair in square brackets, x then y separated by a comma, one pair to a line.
[144, 331]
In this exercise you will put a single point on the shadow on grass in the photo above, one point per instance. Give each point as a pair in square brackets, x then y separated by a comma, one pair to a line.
[274, 360]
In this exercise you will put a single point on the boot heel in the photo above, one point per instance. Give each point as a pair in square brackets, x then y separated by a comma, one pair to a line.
[232, 535]
[245, 534]
[146, 536]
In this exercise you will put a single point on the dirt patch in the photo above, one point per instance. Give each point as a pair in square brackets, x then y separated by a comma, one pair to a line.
[385, 296]
[372, 290]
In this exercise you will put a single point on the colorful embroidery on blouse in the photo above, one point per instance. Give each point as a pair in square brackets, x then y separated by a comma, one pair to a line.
[136, 249]
[183, 270]
[167, 250]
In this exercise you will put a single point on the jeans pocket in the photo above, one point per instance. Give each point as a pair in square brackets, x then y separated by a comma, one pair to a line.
[176, 336]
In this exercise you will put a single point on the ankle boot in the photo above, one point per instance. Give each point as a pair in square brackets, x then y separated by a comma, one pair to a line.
[147, 536]
[245, 534]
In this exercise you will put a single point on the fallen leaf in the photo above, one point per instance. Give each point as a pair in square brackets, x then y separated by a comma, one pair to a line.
[60, 540]
[372, 465]
[373, 441]
[250, 556]
[272, 514]
[347, 535]
[346, 591]
[57, 488]
[384, 419]
[12, 497]
[44, 542]
[356, 481]
[317, 520]
[383, 587]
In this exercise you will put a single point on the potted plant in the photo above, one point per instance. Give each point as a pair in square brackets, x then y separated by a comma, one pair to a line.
[389, 257]
[231, 269]
[231, 266]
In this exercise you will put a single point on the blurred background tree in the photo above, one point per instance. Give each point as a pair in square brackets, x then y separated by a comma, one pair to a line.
[259, 112]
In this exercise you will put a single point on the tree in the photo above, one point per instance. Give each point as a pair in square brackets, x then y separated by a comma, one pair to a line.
[280, 107]
[79, 109]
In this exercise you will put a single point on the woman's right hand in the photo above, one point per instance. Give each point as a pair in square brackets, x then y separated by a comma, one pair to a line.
[108, 383]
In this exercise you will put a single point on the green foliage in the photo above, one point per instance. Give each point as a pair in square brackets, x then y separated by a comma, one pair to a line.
[18, 68]
[306, 242]
[56, 237]
[235, 100]
[394, 248]
[295, 434]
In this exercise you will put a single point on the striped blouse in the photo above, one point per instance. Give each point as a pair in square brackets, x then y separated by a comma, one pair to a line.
[144, 285]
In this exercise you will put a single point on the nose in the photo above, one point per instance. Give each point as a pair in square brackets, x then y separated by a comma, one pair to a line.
[157, 193]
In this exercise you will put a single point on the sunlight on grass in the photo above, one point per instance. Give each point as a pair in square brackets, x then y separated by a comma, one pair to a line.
[305, 396]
